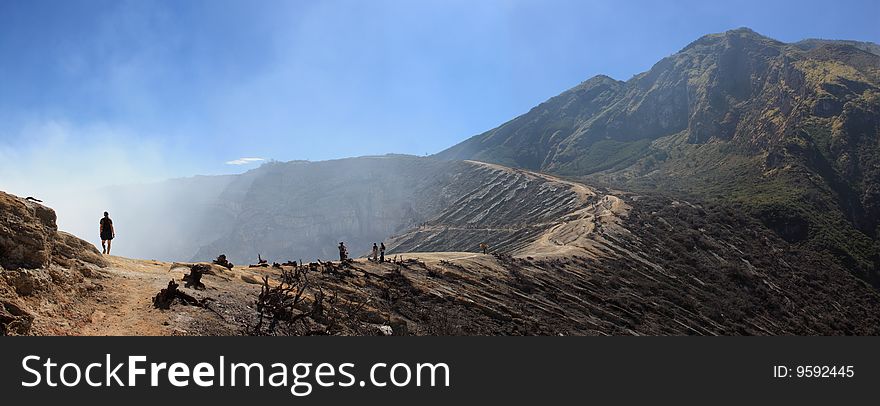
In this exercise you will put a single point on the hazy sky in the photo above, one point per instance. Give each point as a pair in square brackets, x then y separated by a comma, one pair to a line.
[101, 92]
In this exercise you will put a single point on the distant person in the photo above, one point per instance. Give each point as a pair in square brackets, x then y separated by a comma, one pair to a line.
[382, 252]
[484, 248]
[107, 232]
[375, 252]
[343, 252]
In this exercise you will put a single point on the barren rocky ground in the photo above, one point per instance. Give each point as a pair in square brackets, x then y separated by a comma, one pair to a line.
[611, 263]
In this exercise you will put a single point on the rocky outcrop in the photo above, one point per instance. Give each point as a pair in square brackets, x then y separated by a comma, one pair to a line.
[29, 237]
[27, 233]
[38, 264]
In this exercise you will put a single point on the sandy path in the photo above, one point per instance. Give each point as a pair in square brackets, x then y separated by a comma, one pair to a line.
[125, 306]
[576, 233]
[442, 256]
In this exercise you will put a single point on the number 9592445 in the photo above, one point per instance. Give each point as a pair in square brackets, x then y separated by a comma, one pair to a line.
[824, 371]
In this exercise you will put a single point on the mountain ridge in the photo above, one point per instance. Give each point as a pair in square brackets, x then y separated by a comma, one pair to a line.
[789, 131]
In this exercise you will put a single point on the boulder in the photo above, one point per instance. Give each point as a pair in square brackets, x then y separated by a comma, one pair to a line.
[14, 319]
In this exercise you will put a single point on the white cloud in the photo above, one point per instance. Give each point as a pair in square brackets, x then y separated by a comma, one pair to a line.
[244, 161]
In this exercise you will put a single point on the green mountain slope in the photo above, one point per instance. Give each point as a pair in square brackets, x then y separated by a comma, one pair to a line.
[789, 132]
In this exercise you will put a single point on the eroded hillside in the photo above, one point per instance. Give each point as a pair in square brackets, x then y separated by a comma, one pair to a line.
[516, 212]
[613, 263]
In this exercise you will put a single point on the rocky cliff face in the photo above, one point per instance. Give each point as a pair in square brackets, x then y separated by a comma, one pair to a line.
[301, 210]
[29, 237]
[41, 269]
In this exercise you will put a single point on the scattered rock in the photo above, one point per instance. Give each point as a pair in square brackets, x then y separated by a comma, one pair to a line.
[14, 320]
[26, 281]
[251, 280]
[86, 271]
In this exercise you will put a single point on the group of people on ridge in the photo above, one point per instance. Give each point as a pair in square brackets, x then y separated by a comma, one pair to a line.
[377, 254]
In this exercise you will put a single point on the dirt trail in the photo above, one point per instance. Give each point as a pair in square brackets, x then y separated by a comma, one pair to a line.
[436, 257]
[125, 306]
[580, 232]
[533, 215]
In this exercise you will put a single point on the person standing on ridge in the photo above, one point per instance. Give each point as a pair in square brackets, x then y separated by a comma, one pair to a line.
[375, 252]
[484, 247]
[107, 232]
[382, 252]
[343, 252]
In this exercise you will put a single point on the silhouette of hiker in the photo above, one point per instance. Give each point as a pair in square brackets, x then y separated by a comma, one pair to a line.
[107, 232]
[484, 247]
[382, 252]
[375, 252]
[343, 252]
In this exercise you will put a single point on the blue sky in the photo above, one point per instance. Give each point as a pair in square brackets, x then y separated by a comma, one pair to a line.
[99, 92]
